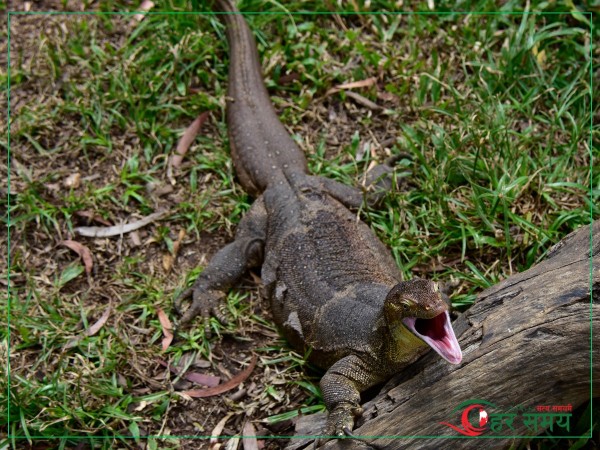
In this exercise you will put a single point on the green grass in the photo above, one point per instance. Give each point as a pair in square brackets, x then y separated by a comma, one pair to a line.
[494, 109]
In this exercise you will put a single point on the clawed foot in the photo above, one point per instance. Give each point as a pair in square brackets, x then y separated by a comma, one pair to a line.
[205, 302]
[339, 423]
[380, 178]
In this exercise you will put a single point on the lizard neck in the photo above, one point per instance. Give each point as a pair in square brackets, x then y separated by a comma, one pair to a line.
[403, 346]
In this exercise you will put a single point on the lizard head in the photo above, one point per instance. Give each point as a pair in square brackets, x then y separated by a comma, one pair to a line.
[420, 306]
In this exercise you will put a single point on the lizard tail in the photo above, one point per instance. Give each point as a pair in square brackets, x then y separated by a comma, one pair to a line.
[262, 150]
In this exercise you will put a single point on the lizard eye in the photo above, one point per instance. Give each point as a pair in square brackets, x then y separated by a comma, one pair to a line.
[405, 306]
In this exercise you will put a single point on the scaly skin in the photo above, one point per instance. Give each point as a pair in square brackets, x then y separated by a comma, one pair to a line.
[333, 286]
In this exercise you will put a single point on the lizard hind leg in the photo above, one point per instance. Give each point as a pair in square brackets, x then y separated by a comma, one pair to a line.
[225, 269]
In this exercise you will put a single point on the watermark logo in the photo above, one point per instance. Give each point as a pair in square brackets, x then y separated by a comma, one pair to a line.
[472, 410]
[479, 416]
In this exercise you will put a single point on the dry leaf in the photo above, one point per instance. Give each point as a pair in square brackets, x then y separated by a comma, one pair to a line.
[23, 172]
[169, 258]
[249, 441]
[224, 387]
[145, 6]
[357, 84]
[288, 78]
[118, 230]
[186, 140]
[136, 241]
[201, 378]
[93, 217]
[217, 430]
[363, 101]
[167, 262]
[388, 97]
[99, 323]
[73, 181]
[141, 406]
[256, 278]
[354, 84]
[357, 97]
[166, 328]
[84, 253]
[91, 330]
[194, 377]
[232, 443]
[177, 243]
[540, 56]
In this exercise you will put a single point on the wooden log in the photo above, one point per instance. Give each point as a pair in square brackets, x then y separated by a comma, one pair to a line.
[526, 342]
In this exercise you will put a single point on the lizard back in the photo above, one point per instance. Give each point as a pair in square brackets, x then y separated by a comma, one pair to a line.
[261, 148]
[333, 286]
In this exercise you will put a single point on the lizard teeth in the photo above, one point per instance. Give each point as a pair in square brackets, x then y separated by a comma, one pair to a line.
[438, 334]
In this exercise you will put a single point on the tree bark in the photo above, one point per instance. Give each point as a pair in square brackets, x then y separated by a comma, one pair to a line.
[527, 341]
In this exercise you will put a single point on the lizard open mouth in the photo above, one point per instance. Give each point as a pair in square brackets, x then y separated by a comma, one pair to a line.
[438, 334]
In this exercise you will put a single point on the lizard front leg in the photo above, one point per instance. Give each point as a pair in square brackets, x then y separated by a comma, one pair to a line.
[341, 386]
[378, 183]
[226, 268]
[380, 179]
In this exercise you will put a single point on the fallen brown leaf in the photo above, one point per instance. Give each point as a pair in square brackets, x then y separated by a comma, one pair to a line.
[178, 242]
[92, 330]
[232, 443]
[167, 262]
[84, 253]
[357, 97]
[357, 84]
[388, 97]
[224, 387]
[166, 328]
[135, 238]
[146, 5]
[118, 230]
[363, 101]
[217, 430]
[194, 377]
[288, 78]
[354, 84]
[201, 378]
[186, 140]
[93, 217]
[249, 441]
[23, 172]
[169, 258]
[99, 323]
[73, 181]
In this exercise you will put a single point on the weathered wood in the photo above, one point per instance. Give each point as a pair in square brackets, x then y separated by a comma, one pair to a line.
[526, 342]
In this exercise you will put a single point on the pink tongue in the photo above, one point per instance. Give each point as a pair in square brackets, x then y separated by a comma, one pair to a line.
[438, 334]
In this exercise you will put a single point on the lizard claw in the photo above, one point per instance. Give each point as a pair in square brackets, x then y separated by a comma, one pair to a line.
[380, 179]
[344, 433]
[205, 303]
[339, 423]
[394, 159]
[180, 298]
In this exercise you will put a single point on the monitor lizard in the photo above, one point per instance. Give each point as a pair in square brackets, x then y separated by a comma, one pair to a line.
[333, 286]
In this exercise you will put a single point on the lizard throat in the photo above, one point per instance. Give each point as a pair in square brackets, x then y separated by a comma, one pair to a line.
[438, 334]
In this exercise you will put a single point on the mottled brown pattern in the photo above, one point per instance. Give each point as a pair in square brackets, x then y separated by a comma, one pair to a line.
[333, 286]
